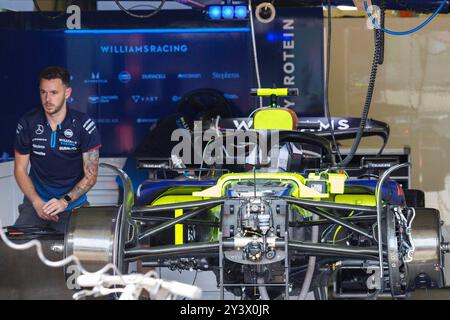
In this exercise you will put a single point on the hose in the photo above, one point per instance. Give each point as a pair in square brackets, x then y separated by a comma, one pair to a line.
[378, 34]
[262, 290]
[311, 264]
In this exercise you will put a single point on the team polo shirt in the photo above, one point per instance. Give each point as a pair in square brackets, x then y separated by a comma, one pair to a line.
[56, 157]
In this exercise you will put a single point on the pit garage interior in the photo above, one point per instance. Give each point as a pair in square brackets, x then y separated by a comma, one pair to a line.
[348, 98]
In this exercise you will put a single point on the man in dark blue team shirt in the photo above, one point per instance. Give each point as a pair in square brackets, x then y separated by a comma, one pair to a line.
[62, 146]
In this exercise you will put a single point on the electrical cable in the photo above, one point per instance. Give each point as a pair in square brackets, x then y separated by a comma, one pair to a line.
[339, 228]
[255, 52]
[102, 273]
[54, 264]
[407, 32]
[368, 101]
[311, 263]
[327, 82]
[140, 16]
[63, 12]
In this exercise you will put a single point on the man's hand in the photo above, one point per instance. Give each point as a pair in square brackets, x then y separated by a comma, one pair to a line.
[38, 205]
[54, 207]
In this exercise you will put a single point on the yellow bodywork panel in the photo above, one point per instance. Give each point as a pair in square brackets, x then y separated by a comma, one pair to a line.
[171, 199]
[273, 119]
[356, 199]
[301, 192]
[266, 92]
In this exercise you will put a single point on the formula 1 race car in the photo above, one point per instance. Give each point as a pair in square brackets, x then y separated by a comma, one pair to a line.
[271, 231]
[271, 213]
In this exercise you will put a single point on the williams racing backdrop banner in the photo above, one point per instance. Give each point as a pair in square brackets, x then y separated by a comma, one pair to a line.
[130, 75]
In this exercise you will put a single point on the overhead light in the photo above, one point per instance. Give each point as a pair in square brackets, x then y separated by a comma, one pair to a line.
[241, 12]
[215, 12]
[227, 12]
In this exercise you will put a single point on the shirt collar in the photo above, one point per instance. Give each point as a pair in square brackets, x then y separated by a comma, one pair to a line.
[67, 120]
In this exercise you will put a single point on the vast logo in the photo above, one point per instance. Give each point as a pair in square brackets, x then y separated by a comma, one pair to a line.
[124, 77]
[95, 78]
[143, 99]
[70, 100]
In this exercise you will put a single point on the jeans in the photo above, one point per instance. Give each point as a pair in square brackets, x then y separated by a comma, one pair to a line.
[29, 217]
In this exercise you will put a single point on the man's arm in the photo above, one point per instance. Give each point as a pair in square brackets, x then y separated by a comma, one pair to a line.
[90, 167]
[21, 162]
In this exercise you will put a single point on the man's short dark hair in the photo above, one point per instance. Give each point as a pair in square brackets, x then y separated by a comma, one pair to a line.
[56, 72]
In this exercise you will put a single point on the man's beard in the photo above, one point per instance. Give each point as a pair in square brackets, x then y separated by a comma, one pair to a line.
[56, 109]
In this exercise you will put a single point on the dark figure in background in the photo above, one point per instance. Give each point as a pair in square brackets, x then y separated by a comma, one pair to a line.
[203, 104]
[62, 146]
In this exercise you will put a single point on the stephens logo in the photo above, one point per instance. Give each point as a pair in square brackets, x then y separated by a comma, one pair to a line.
[124, 77]
[225, 75]
[68, 133]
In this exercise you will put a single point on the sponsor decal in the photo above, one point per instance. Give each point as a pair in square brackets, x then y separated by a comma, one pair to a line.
[231, 96]
[107, 120]
[143, 99]
[153, 76]
[68, 148]
[38, 146]
[39, 153]
[246, 125]
[70, 100]
[95, 78]
[124, 77]
[288, 45]
[189, 76]
[67, 142]
[341, 124]
[146, 120]
[39, 129]
[68, 133]
[225, 75]
[39, 139]
[151, 48]
[101, 99]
